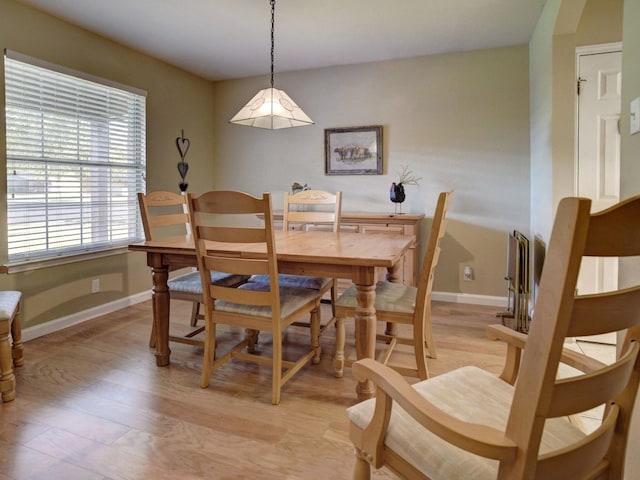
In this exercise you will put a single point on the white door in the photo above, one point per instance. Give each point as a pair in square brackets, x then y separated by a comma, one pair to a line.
[598, 164]
[599, 104]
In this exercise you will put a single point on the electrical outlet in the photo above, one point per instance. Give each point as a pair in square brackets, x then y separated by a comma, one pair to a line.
[468, 273]
[95, 285]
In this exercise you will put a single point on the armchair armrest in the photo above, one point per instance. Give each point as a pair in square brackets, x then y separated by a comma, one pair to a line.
[391, 387]
[506, 334]
[517, 342]
[581, 362]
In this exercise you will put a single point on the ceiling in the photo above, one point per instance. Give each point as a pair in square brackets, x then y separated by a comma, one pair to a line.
[225, 39]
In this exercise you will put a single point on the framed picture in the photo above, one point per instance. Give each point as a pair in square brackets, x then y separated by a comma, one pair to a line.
[353, 150]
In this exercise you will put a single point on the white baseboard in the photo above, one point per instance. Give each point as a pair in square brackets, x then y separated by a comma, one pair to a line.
[76, 318]
[469, 298]
[70, 320]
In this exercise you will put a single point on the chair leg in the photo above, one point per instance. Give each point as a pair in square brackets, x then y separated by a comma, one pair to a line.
[423, 342]
[17, 348]
[338, 360]
[7, 379]
[251, 336]
[209, 353]
[362, 469]
[428, 332]
[334, 297]
[195, 310]
[315, 335]
[276, 380]
[421, 358]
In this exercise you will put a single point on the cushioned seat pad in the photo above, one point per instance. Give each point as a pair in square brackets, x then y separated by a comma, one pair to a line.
[9, 300]
[470, 394]
[291, 299]
[191, 283]
[298, 281]
[390, 297]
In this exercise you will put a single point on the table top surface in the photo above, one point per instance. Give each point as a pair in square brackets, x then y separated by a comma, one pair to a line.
[342, 248]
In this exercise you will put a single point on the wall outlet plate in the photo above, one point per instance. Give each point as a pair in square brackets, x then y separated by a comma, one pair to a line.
[468, 273]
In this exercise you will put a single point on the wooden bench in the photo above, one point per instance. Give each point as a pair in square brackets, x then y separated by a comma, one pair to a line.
[10, 355]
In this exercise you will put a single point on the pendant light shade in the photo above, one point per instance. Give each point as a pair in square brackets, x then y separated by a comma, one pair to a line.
[271, 108]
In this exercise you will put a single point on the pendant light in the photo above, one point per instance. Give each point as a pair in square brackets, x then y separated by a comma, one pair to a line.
[271, 108]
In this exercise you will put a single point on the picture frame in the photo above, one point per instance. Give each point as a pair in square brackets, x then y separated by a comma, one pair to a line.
[353, 150]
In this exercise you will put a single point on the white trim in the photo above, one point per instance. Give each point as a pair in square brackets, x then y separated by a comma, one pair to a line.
[470, 298]
[51, 262]
[599, 48]
[80, 317]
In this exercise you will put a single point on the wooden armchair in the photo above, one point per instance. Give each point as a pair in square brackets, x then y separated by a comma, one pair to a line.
[265, 307]
[164, 214]
[470, 424]
[403, 304]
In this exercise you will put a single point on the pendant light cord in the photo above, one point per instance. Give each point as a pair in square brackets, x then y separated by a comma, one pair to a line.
[273, 11]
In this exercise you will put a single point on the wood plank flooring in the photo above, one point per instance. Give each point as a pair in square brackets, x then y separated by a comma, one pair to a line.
[92, 405]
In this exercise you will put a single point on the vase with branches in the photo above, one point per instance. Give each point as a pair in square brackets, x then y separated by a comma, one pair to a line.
[396, 192]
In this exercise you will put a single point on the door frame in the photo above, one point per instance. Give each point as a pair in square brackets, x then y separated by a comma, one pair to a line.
[580, 52]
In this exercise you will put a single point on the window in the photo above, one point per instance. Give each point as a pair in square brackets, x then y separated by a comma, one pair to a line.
[75, 161]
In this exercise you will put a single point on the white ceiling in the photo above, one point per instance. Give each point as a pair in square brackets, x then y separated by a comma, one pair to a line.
[223, 39]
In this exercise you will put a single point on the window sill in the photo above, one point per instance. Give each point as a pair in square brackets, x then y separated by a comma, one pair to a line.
[38, 264]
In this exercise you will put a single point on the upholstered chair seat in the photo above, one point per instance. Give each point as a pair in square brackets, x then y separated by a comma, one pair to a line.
[191, 283]
[296, 281]
[471, 395]
[390, 297]
[291, 299]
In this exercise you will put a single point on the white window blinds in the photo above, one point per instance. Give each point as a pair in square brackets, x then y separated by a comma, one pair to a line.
[75, 161]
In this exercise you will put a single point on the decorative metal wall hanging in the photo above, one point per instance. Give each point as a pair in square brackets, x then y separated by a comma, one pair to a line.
[183, 167]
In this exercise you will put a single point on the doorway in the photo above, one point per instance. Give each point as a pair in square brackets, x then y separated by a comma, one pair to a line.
[598, 103]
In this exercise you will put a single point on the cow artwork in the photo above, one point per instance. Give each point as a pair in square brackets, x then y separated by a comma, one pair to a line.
[353, 150]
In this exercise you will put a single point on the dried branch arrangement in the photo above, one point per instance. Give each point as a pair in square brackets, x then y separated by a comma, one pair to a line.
[406, 177]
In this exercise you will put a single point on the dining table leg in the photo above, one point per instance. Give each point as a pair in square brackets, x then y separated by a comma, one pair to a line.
[160, 299]
[365, 325]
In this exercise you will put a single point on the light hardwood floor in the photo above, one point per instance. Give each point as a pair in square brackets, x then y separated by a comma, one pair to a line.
[91, 404]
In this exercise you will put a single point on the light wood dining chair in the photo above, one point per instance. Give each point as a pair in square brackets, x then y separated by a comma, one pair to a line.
[164, 214]
[11, 353]
[403, 304]
[263, 307]
[468, 423]
[310, 210]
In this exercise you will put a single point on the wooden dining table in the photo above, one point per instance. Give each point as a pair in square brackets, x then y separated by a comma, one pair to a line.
[318, 253]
